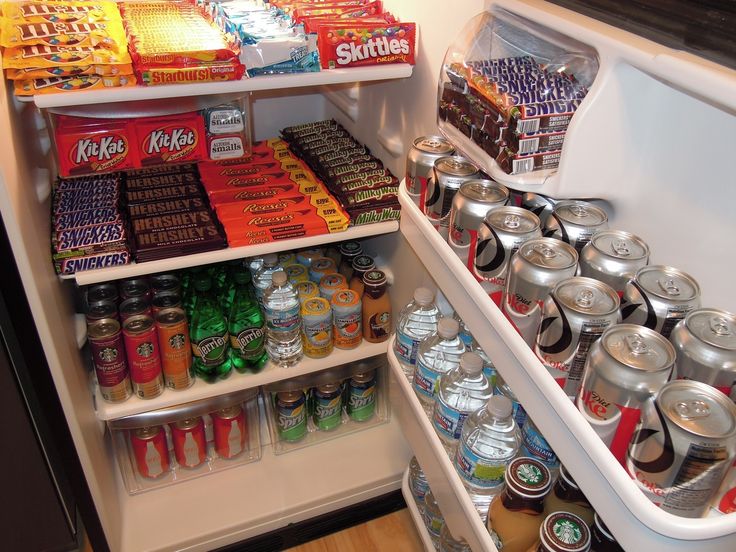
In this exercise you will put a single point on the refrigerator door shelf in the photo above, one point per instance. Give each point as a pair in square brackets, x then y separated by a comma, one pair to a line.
[416, 514]
[236, 382]
[131, 270]
[634, 520]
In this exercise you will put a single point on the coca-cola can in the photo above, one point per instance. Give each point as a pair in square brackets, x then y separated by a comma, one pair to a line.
[575, 222]
[449, 174]
[535, 269]
[420, 164]
[658, 297]
[190, 442]
[230, 431]
[144, 358]
[574, 316]
[469, 207]
[705, 341]
[108, 356]
[538, 204]
[613, 257]
[683, 447]
[501, 234]
[626, 366]
[150, 451]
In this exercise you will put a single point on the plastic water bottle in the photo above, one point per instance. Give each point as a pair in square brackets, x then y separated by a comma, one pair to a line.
[472, 345]
[438, 354]
[490, 440]
[416, 321]
[283, 321]
[448, 543]
[417, 482]
[460, 392]
[534, 444]
[433, 518]
[503, 388]
[262, 277]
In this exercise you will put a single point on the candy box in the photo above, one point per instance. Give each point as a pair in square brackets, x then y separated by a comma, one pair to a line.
[174, 139]
[354, 45]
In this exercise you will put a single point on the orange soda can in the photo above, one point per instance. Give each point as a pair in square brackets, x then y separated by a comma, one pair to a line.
[176, 350]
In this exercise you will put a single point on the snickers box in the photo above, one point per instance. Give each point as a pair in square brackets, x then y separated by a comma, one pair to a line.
[91, 217]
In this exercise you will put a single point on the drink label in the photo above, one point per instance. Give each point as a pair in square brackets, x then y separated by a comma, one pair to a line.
[211, 349]
[425, 380]
[536, 446]
[478, 471]
[292, 421]
[283, 320]
[362, 401]
[327, 411]
[406, 348]
[419, 488]
[434, 523]
[448, 421]
[249, 341]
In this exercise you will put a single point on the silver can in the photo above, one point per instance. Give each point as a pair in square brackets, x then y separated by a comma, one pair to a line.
[574, 316]
[420, 164]
[501, 234]
[540, 205]
[683, 447]
[705, 341]
[536, 268]
[658, 297]
[469, 207]
[613, 257]
[575, 222]
[449, 174]
[625, 367]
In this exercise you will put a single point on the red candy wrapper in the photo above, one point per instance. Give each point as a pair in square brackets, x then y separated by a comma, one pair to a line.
[354, 45]
[174, 139]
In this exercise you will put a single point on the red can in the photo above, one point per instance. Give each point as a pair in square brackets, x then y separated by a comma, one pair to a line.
[190, 442]
[150, 451]
[144, 359]
[231, 433]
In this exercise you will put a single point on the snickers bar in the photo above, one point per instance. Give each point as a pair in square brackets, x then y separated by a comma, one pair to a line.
[105, 259]
[77, 219]
[513, 163]
[89, 239]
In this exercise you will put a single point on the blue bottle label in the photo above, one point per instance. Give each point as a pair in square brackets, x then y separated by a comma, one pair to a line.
[448, 421]
[283, 320]
[476, 470]
[406, 348]
[425, 380]
[535, 445]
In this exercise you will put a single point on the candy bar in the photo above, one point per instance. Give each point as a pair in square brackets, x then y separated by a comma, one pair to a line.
[179, 205]
[374, 213]
[161, 244]
[513, 163]
[214, 171]
[233, 183]
[171, 139]
[316, 204]
[89, 239]
[381, 44]
[203, 72]
[89, 182]
[338, 173]
[368, 183]
[65, 221]
[259, 192]
[367, 197]
[163, 169]
[544, 116]
[268, 228]
[531, 143]
[160, 181]
[171, 221]
[66, 203]
[147, 195]
[105, 259]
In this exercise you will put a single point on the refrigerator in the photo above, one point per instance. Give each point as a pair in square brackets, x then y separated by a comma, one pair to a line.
[652, 142]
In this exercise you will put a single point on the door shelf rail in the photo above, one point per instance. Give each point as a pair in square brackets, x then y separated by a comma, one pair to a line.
[416, 514]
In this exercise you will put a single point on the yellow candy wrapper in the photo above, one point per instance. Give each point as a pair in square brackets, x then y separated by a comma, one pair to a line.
[37, 56]
[109, 35]
[60, 12]
[69, 71]
[70, 84]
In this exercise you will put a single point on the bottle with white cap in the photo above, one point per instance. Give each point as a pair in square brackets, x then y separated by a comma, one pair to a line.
[438, 354]
[264, 274]
[460, 392]
[283, 321]
[416, 321]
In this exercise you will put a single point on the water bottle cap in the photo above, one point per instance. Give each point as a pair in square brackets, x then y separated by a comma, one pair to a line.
[423, 296]
[500, 406]
[271, 259]
[279, 278]
[448, 328]
[471, 364]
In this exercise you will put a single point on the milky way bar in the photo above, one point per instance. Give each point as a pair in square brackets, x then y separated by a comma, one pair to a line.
[339, 183]
[371, 214]
[345, 160]
[332, 150]
[105, 259]
[77, 219]
[89, 239]
[367, 197]
[179, 205]
[171, 221]
[368, 182]
[294, 133]
[87, 182]
[337, 173]
[156, 194]
[160, 180]
[163, 169]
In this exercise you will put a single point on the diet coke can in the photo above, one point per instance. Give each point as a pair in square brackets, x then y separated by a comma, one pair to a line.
[449, 174]
[625, 367]
[574, 316]
[190, 442]
[658, 297]
[420, 164]
[536, 268]
[613, 257]
[150, 451]
[469, 207]
[705, 342]
[540, 205]
[501, 234]
[575, 222]
[683, 447]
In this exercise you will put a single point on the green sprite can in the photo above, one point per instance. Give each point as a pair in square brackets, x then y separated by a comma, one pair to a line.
[362, 396]
[291, 415]
[327, 406]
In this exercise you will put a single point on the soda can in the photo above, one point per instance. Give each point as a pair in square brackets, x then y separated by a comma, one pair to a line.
[332, 283]
[658, 297]
[102, 292]
[538, 204]
[306, 291]
[190, 442]
[420, 164]
[165, 283]
[100, 310]
[575, 222]
[176, 350]
[135, 287]
[297, 273]
[321, 267]
[108, 356]
[574, 316]
[144, 360]
[150, 451]
[501, 234]
[705, 341]
[135, 306]
[449, 174]
[469, 207]
[362, 396]
[625, 367]
[291, 415]
[347, 319]
[327, 406]
[613, 257]
[317, 327]
[536, 268]
[683, 446]
[165, 300]
[230, 431]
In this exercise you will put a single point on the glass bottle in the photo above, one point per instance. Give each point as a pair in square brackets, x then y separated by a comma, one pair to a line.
[361, 265]
[566, 496]
[376, 307]
[246, 326]
[208, 333]
[562, 532]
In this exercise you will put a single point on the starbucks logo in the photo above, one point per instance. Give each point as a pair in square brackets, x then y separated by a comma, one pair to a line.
[145, 349]
[177, 341]
[108, 354]
[530, 474]
[567, 531]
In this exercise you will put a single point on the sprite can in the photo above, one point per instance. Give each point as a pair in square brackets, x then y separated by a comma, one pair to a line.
[362, 396]
[291, 415]
[327, 400]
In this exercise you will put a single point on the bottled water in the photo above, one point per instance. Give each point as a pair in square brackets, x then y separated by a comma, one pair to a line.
[503, 388]
[534, 444]
[433, 518]
[449, 544]
[417, 482]
[283, 322]
[472, 345]
[438, 354]
[460, 392]
[416, 321]
[490, 440]
[262, 277]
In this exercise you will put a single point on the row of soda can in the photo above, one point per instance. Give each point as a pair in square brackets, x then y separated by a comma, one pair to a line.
[573, 322]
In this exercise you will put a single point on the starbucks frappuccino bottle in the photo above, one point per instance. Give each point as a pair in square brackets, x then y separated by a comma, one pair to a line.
[566, 496]
[562, 532]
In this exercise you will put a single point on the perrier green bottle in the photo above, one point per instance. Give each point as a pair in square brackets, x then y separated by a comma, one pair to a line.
[208, 333]
[247, 327]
